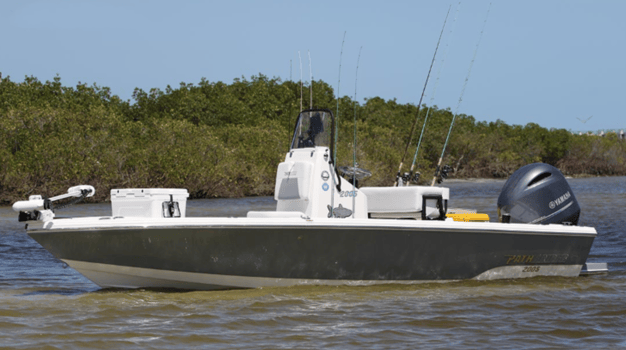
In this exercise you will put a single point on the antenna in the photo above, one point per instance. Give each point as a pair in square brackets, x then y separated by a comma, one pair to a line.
[469, 71]
[300, 58]
[334, 155]
[310, 80]
[354, 143]
[290, 69]
[420, 102]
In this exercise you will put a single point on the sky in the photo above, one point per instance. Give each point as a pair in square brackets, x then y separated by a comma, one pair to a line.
[556, 63]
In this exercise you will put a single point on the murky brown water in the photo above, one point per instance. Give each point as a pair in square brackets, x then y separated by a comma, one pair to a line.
[44, 305]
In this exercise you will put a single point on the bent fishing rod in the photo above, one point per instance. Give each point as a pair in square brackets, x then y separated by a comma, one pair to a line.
[398, 175]
[444, 171]
[415, 175]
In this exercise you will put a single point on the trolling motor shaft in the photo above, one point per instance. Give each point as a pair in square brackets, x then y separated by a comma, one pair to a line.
[42, 209]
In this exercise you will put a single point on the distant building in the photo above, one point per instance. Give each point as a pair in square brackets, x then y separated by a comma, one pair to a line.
[621, 134]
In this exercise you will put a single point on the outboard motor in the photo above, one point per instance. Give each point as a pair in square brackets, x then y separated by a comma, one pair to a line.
[538, 194]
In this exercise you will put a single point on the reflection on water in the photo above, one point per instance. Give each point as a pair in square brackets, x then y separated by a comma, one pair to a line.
[43, 304]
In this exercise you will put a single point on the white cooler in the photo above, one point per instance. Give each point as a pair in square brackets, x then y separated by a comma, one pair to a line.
[147, 202]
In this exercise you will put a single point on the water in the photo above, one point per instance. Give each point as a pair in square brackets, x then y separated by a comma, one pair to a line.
[44, 305]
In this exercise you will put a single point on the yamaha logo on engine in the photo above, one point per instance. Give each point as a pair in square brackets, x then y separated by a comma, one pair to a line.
[555, 203]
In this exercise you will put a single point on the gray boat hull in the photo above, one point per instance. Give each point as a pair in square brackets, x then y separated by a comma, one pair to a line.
[247, 257]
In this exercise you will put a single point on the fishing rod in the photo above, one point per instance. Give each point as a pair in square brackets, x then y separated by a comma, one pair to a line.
[420, 103]
[334, 155]
[310, 80]
[338, 85]
[356, 75]
[300, 58]
[432, 99]
[444, 172]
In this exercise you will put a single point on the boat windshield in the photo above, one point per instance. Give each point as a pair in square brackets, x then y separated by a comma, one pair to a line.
[313, 128]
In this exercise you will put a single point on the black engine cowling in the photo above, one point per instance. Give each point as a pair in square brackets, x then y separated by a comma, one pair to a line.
[538, 194]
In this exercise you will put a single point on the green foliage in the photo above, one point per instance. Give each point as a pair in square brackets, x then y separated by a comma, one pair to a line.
[593, 155]
[225, 140]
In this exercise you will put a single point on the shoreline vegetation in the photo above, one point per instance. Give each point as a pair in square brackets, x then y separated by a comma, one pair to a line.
[226, 140]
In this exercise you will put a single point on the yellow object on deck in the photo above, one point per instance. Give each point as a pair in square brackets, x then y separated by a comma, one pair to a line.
[469, 217]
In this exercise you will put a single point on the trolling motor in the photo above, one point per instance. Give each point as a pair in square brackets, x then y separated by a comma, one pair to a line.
[42, 209]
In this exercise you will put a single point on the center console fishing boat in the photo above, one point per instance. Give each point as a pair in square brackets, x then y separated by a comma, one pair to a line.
[325, 230]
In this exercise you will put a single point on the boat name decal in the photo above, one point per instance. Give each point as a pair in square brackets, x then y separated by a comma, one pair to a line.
[555, 203]
[516, 259]
[536, 259]
[348, 194]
